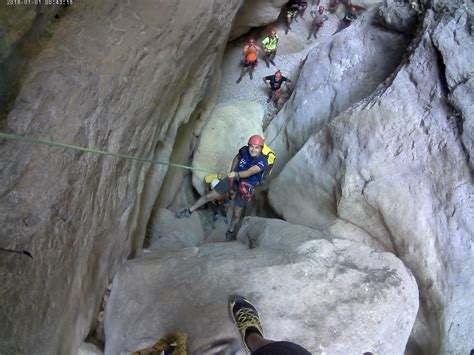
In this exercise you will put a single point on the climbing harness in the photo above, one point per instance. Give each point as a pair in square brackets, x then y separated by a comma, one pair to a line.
[26, 139]
[246, 190]
[175, 340]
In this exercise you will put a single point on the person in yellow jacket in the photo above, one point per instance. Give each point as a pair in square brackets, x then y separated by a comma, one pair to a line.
[270, 47]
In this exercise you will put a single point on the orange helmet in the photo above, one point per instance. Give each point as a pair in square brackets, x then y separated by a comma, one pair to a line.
[256, 140]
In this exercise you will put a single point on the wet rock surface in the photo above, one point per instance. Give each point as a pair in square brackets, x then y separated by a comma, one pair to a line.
[351, 298]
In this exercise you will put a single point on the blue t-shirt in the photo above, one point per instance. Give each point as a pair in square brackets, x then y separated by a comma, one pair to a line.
[246, 162]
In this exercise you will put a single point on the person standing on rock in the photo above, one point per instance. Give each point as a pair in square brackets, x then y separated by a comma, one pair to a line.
[270, 47]
[333, 5]
[274, 83]
[349, 16]
[291, 14]
[250, 62]
[318, 21]
[247, 169]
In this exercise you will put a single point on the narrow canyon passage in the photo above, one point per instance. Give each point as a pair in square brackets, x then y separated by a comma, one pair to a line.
[361, 240]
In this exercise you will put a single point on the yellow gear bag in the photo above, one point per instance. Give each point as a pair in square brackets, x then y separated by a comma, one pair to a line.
[270, 160]
[208, 178]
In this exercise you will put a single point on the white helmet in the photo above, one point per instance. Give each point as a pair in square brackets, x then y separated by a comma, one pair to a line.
[214, 183]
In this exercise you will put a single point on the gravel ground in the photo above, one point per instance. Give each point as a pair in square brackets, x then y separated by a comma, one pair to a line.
[292, 50]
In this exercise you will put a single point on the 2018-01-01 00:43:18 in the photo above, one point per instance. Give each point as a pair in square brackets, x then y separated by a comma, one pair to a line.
[37, 2]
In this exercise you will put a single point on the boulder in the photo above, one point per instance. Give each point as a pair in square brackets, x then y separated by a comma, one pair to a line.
[366, 4]
[227, 130]
[394, 166]
[332, 296]
[398, 17]
[340, 71]
[255, 13]
[122, 77]
[89, 349]
[168, 233]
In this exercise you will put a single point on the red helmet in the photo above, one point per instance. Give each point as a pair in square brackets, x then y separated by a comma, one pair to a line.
[321, 8]
[251, 40]
[256, 140]
[353, 9]
[278, 74]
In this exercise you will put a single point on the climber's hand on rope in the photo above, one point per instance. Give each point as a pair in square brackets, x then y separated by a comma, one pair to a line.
[233, 175]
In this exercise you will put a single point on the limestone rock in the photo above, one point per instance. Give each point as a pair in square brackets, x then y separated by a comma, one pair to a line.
[366, 4]
[89, 349]
[21, 28]
[398, 17]
[329, 295]
[227, 130]
[394, 166]
[341, 71]
[169, 233]
[113, 75]
[15, 21]
[255, 13]
[453, 37]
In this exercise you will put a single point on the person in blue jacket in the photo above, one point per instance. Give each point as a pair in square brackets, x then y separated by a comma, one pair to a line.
[246, 172]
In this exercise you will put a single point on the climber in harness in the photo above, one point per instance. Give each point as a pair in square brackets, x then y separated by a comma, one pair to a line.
[318, 21]
[349, 16]
[274, 84]
[270, 47]
[250, 62]
[248, 167]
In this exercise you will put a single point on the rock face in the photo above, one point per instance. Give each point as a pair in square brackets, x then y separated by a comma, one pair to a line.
[125, 81]
[227, 130]
[331, 296]
[394, 165]
[451, 37]
[399, 18]
[21, 27]
[255, 13]
[341, 71]
[169, 233]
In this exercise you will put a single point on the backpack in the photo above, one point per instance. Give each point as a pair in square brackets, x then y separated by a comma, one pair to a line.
[270, 160]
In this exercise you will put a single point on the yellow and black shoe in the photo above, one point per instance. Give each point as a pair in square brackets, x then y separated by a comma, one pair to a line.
[246, 318]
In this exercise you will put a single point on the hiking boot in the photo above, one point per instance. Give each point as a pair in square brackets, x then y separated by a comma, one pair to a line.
[273, 63]
[183, 213]
[267, 64]
[251, 76]
[269, 99]
[239, 80]
[246, 318]
[229, 236]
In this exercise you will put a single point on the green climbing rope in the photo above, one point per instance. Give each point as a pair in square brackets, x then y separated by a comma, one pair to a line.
[26, 139]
